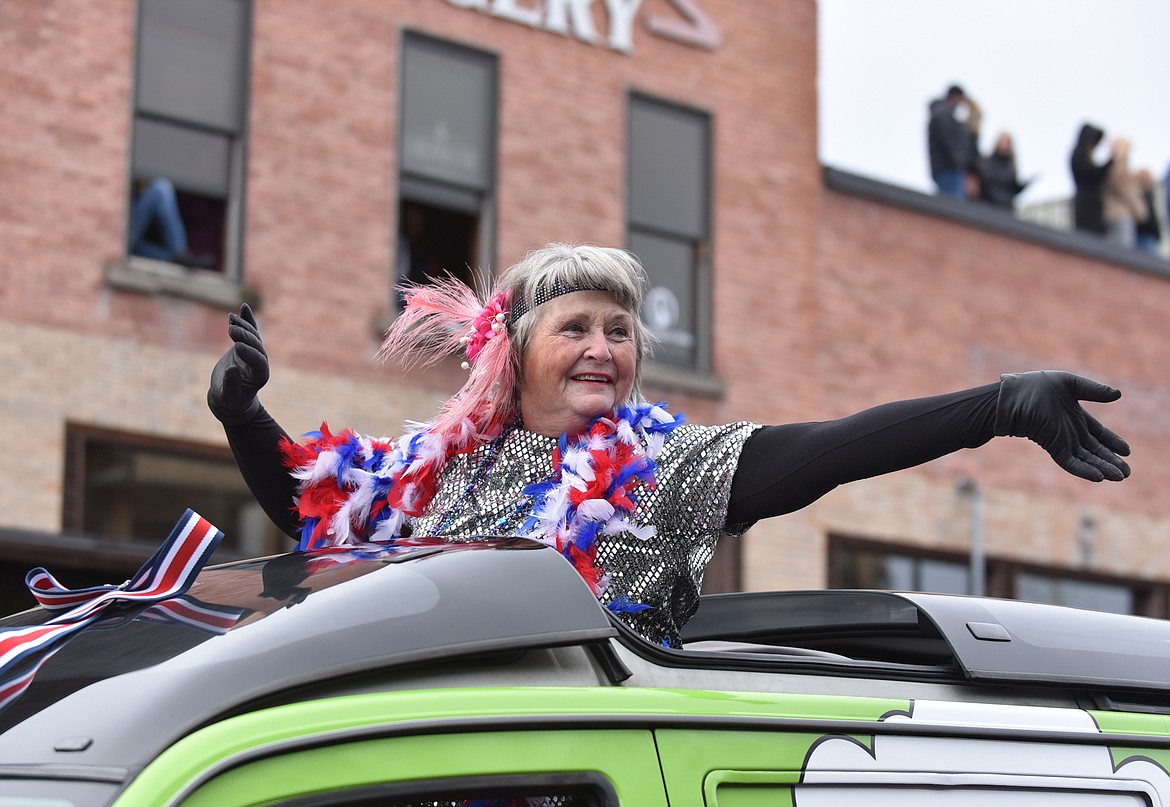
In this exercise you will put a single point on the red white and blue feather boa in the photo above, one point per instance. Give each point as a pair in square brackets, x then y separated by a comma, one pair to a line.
[355, 490]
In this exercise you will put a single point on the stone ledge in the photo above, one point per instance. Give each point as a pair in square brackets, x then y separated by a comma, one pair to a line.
[160, 278]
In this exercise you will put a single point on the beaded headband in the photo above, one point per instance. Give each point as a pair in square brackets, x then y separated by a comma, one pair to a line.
[521, 305]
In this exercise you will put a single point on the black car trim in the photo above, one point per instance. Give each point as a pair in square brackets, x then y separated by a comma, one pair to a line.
[531, 784]
[922, 636]
[73, 773]
[610, 662]
[778, 662]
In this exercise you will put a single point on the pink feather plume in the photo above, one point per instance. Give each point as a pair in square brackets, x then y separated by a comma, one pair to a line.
[439, 316]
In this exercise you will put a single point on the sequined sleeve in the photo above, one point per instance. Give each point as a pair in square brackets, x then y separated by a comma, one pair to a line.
[695, 470]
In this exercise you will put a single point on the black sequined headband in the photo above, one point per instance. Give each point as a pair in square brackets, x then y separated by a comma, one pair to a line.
[521, 306]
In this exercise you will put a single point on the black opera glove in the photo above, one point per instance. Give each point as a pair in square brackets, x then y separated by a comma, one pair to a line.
[1044, 406]
[240, 372]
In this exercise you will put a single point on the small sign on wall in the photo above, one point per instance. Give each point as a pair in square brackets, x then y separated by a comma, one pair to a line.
[691, 25]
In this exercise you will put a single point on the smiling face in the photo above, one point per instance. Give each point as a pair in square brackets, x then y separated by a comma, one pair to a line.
[579, 363]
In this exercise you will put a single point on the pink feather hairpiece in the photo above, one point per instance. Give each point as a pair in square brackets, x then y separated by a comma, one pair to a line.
[446, 317]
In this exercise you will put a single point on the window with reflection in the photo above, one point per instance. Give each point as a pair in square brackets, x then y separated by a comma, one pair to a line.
[861, 566]
[669, 209]
[446, 160]
[190, 101]
[126, 487]
[861, 563]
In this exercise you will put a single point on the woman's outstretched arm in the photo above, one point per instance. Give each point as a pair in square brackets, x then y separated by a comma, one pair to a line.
[784, 468]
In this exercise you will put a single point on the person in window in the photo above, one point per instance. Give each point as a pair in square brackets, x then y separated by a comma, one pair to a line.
[551, 438]
[156, 226]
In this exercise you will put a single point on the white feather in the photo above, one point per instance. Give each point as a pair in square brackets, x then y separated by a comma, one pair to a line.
[389, 529]
[618, 525]
[654, 443]
[595, 510]
[660, 415]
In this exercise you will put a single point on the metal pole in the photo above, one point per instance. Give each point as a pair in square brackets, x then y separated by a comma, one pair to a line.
[976, 578]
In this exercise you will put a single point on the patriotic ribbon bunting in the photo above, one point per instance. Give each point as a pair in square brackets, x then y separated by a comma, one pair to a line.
[159, 583]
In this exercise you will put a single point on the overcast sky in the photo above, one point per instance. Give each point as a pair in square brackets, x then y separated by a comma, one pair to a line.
[1038, 68]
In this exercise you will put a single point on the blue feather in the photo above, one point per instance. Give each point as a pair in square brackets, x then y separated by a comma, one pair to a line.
[307, 528]
[624, 605]
[587, 535]
[345, 457]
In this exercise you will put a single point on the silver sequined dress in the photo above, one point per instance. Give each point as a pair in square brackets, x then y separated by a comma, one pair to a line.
[480, 495]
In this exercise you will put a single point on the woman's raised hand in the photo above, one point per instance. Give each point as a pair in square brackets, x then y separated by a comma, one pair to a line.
[1045, 406]
[240, 372]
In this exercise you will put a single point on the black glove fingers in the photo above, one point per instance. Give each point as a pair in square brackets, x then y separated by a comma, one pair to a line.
[1111, 439]
[247, 315]
[1079, 467]
[248, 340]
[236, 325]
[231, 385]
[1088, 466]
[245, 334]
[1107, 456]
[1109, 470]
[255, 361]
[240, 372]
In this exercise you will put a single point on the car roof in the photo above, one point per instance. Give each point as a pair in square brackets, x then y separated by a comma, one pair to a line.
[114, 695]
[128, 688]
[991, 641]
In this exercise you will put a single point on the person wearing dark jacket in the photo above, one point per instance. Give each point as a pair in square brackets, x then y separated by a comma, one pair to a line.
[998, 182]
[1089, 178]
[950, 143]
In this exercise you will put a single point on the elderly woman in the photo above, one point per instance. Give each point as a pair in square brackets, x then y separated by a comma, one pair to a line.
[550, 438]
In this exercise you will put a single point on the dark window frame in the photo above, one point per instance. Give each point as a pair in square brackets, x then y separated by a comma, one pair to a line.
[1150, 598]
[694, 376]
[593, 787]
[221, 285]
[418, 189]
[79, 437]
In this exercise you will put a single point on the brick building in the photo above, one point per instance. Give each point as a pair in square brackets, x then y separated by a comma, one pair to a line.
[305, 136]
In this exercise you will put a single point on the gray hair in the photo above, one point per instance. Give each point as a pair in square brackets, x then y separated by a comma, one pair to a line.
[580, 267]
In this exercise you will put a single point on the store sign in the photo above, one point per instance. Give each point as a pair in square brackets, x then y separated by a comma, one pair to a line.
[690, 25]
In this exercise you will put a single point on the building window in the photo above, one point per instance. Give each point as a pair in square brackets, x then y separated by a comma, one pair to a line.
[858, 563]
[669, 209]
[1060, 590]
[191, 82]
[123, 487]
[447, 147]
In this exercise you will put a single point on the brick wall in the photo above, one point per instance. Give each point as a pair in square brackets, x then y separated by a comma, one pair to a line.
[823, 303]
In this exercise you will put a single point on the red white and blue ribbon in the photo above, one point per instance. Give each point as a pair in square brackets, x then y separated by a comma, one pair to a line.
[184, 610]
[167, 575]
